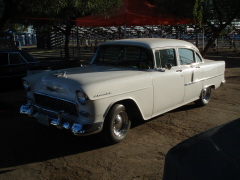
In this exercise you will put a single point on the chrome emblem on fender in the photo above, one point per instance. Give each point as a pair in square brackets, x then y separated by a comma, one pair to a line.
[101, 95]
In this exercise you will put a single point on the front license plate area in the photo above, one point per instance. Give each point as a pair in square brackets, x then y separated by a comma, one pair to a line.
[42, 119]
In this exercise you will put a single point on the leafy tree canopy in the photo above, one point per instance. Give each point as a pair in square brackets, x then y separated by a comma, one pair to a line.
[53, 9]
[217, 14]
[46, 15]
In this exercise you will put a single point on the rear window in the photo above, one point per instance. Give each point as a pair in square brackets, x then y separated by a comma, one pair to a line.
[129, 56]
[186, 56]
[16, 58]
[28, 57]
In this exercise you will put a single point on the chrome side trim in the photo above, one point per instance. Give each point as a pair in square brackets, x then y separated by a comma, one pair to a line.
[199, 80]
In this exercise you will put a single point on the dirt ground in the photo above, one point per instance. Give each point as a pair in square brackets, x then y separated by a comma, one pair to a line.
[29, 151]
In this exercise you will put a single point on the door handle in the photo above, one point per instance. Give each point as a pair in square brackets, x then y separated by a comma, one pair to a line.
[197, 67]
[179, 70]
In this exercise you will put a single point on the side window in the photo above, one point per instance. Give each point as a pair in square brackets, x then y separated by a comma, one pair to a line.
[3, 59]
[167, 56]
[16, 58]
[198, 58]
[186, 56]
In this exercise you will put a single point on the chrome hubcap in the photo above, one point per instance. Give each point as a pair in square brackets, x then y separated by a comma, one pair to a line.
[120, 124]
[206, 94]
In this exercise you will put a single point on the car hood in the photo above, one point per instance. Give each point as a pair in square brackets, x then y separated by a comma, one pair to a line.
[96, 81]
[93, 74]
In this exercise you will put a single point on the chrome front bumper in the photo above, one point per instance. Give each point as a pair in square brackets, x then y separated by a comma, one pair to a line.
[61, 122]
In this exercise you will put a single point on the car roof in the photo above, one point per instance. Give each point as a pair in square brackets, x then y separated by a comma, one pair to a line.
[152, 43]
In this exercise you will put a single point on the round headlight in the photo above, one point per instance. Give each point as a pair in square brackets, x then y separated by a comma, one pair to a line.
[26, 85]
[82, 98]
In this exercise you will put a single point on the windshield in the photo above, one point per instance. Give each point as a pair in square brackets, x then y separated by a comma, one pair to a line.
[128, 56]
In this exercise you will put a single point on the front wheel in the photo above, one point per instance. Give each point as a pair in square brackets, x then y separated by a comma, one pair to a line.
[205, 97]
[116, 124]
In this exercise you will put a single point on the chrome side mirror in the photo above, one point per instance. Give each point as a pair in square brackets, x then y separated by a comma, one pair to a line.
[168, 66]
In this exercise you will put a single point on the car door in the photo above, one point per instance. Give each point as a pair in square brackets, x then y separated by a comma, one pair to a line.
[4, 65]
[192, 72]
[18, 65]
[168, 85]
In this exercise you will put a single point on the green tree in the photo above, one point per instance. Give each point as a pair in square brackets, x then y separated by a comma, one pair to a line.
[217, 14]
[59, 14]
[79, 8]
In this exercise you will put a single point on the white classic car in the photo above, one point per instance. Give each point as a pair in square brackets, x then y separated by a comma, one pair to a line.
[127, 80]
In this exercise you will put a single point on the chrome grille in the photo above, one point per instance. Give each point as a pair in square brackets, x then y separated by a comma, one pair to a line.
[55, 104]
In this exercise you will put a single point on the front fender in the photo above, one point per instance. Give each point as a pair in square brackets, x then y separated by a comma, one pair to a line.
[143, 99]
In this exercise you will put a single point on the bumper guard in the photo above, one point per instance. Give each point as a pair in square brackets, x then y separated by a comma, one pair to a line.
[75, 128]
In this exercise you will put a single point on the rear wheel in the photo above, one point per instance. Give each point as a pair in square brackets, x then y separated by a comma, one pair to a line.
[116, 124]
[205, 97]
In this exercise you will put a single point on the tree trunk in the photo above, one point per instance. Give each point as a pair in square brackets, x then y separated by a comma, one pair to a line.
[41, 44]
[209, 44]
[218, 30]
[214, 37]
[67, 40]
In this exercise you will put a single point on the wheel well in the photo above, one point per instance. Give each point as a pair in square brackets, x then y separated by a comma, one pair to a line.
[211, 86]
[131, 108]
